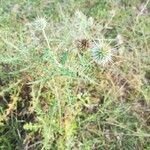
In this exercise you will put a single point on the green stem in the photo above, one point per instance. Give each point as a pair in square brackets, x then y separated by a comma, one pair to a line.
[46, 39]
[44, 34]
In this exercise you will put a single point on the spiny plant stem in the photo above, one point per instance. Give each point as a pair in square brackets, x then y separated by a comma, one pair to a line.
[46, 39]
[44, 34]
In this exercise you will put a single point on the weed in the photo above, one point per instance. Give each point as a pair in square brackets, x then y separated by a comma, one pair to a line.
[75, 78]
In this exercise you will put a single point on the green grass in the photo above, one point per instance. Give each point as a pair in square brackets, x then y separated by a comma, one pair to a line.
[53, 96]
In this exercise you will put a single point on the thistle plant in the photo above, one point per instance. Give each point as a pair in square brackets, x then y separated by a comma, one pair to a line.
[39, 24]
[102, 54]
[51, 64]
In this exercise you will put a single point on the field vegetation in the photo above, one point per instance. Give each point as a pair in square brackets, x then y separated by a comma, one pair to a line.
[74, 75]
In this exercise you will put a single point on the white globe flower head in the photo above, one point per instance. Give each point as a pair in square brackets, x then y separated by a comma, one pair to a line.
[39, 24]
[102, 54]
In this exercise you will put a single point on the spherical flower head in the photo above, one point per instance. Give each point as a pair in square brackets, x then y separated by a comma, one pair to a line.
[102, 54]
[39, 24]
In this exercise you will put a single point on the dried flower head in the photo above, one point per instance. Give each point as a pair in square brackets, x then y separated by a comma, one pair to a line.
[102, 54]
[83, 44]
[39, 24]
